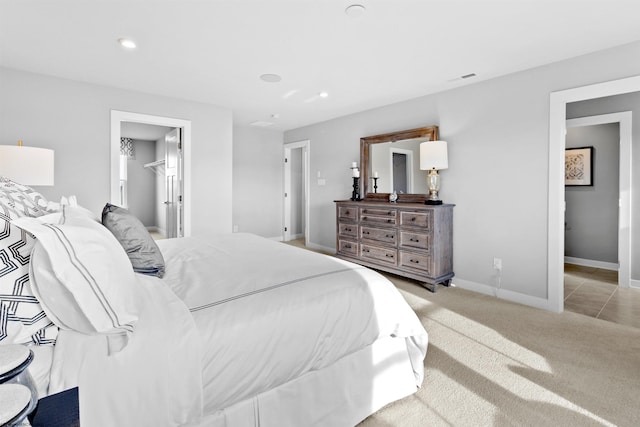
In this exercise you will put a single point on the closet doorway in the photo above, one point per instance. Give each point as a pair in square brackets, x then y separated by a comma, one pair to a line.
[150, 171]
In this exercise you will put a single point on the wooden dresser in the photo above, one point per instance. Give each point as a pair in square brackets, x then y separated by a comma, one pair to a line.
[408, 239]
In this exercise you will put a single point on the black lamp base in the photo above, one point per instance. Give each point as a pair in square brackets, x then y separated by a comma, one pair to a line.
[432, 202]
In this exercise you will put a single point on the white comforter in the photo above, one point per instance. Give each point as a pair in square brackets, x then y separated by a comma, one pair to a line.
[270, 312]
[233, 317]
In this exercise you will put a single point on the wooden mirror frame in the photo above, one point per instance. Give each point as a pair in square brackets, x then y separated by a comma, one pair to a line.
[367, 141]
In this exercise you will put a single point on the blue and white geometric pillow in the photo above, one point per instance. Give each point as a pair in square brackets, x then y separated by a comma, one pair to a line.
[22, 319]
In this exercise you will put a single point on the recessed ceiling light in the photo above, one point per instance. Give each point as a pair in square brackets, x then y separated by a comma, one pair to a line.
[127, 43]
[323, 94]
[261, 123]
[270, 78]
[355, 10]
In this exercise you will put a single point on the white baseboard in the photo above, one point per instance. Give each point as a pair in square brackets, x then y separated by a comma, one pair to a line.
[502, 293]
[633, 283]
[591, 263]
[152, 228]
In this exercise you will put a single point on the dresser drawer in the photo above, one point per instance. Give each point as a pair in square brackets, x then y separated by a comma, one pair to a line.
[388, 212]
[379, 234]
[348, 213]
[415, 240]
[415, 219]
[378, 254]
[347, 247]
[415, 261]
[378, 219]
[350, 230]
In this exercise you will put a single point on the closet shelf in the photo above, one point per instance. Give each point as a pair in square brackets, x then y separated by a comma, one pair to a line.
[157, 167]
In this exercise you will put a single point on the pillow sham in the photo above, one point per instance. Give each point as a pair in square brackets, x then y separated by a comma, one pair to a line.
[140, 247]
[82, 277]
[38, 200]
[22, 318]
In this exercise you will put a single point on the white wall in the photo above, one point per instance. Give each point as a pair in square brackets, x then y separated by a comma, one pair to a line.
[498, 134]
[73, 118]
[257, 181]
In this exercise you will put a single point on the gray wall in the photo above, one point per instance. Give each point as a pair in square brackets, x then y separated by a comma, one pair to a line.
[615, 104]
[498, 135]
[591, 216]
[73, 118]
[141, 183]
[257, 181]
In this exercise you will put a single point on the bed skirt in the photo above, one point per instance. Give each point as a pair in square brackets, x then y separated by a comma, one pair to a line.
[342, 394]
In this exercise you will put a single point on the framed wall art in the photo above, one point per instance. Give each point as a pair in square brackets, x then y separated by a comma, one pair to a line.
[578, 166]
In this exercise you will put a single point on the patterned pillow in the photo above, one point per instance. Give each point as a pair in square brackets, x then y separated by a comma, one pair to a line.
[35, 202]
[22, 319]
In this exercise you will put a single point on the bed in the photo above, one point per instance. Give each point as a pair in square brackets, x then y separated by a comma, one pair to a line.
[239, 331]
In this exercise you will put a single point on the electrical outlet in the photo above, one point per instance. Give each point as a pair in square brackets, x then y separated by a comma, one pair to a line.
[497, 264]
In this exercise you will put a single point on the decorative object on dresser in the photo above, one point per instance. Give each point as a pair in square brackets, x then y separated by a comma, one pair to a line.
[433, 157]
[378, 154]
[408, 239]
[355, 173]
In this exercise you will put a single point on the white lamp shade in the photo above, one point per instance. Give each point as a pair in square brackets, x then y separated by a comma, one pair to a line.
[433, 155]
[26, 165]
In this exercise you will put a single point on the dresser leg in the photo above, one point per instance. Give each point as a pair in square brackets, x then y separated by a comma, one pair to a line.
[433, 287]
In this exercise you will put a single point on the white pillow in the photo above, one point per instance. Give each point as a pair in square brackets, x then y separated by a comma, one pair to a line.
[82, 276]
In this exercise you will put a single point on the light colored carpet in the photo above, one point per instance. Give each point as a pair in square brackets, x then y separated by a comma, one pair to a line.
[496, 363]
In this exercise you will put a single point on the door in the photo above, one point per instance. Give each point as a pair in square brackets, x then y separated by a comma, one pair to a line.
[173, 180]
[401, 170]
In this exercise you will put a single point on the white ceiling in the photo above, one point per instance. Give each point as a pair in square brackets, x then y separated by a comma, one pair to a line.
[214, 51]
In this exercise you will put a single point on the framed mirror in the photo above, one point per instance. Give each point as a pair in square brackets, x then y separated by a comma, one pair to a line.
[394, 160]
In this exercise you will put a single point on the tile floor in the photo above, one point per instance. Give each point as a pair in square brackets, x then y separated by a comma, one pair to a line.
[594, 292]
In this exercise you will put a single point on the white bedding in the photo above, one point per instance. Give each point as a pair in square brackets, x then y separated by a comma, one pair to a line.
[239, 320]
[154, 381]
[272, 312]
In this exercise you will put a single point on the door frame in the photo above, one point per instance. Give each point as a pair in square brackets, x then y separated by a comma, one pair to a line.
[557, 130]
[624, 120]
[117, 117]
[305, 145]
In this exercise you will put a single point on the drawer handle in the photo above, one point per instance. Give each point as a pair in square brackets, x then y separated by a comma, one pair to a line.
[347, 212]
[366, 250]
[411, 240]
[389, 256]
[364, 211]
[414, 261]
[390, 213]
[390, 236]
[413, 219]
[347, 229]
[365, 232]
[347, 246]
[389, 220]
